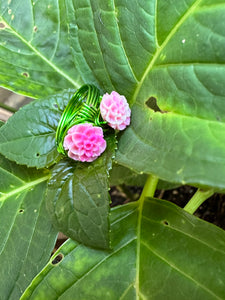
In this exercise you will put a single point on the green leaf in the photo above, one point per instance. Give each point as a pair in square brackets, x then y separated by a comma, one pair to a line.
[120, 175]
[78, 198]
[172, 51]
[27, 236]
[35, 55]
[186, 76]
[154, 246]
[176, 148]
[29, 135]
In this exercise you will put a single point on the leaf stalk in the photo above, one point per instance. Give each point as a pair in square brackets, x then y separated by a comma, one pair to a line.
[8, 108]
[150, 187]
[198, 198]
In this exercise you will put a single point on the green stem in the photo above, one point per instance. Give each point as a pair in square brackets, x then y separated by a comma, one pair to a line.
[198, 198]
[149, 188]
[9, 108]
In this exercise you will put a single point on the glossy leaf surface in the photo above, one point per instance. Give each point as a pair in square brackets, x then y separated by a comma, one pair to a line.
[26, 234]
[154, 246]
[78, 199]
[29, 135]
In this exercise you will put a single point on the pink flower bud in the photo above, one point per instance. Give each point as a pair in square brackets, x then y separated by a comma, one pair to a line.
[84, 142]
[115, 110]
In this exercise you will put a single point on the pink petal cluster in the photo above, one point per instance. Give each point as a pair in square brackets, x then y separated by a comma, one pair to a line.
[115, 110]
[84, 142]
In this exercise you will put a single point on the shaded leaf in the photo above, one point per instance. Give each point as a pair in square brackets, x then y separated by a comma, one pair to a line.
[27, 237]
[78, 198]
[153, 247]
[29, 135]
[121, 175]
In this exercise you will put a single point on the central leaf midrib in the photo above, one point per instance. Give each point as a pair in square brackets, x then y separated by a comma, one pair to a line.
[164, 44]
[25, 187]
[40, 55]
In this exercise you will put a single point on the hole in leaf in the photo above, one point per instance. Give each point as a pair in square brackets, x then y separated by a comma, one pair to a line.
[152, 103]
[25, 74]
[35, 28]
[37, 154]
[165, 222]
[21, 211]
[55, 105]
[57, 259]
[2, 25]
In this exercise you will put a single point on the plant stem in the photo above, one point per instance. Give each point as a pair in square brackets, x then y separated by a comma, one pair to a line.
[150, 187]
[198, 198]
[8, 108]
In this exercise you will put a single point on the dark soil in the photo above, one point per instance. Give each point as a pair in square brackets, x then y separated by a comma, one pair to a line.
[212, 210]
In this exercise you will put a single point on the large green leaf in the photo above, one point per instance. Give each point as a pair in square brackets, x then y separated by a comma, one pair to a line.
[26, 234]
[159, 252]
[78, 198]
[35, 56]
[171, 50]
[29, 135]
[187, 150]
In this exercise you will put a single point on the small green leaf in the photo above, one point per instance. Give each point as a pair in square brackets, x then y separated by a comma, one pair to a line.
[26, 234]
[154, 246]
[78, 198]
[29, 135]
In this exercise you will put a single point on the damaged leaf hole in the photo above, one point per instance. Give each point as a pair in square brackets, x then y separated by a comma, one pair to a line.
[25, 74]
[37, 154]
[21, 211]
[152, 104]
[165, 222]
[35, 29]
[2, 25]
[57, 259]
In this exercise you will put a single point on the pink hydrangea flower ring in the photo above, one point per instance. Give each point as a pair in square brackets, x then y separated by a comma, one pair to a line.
[115, 110]
[84, 142]
[79, 134]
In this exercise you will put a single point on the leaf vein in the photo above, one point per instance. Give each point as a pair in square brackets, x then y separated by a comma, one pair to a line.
[98, 264]
[173, 266]
[40, 55]
[122, 45]
[187, 234]
[25, 187]
[164, 44]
